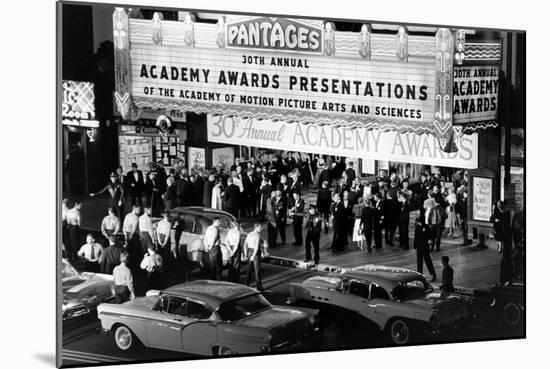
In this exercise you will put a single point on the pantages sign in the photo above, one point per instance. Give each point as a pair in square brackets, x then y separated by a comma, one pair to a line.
[342, 141]
[302, 71]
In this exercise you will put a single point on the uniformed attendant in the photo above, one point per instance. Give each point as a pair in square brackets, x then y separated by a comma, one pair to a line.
[123, 281]
[110, 225]
[314, 226]
[116, 194]
[378, 220]
[297, 212]
[233, 243]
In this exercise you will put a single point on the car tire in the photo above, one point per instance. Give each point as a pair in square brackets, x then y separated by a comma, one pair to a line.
[399, 331]
[512, 314]
[125, 339]
[225, 351]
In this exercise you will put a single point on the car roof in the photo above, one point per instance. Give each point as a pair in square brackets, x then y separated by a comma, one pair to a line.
[385, 276]
[213, 293]
[202, 211]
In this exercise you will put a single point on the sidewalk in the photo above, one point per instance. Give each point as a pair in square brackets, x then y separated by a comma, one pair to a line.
[473, 267]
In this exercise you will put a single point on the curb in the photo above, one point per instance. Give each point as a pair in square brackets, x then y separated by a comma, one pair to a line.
[325, 268]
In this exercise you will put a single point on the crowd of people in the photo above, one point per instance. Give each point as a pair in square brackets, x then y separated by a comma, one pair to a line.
[363, 213]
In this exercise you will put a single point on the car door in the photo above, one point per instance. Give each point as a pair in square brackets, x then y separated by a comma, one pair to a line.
[166, 323]
[378, 305]
[201, 331]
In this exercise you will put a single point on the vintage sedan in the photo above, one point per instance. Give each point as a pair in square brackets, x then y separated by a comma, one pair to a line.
[208, 318]
[82, 292]
[189, 225]
[398, 301]
[508, 304]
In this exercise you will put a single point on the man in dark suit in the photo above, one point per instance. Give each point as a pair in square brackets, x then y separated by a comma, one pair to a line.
[184, 190]
[153, 195]
[248, 192]
[135, 185]
[313, 234]
[367, 223]
[340, 218]
[207, 190]
[231, 198]
[110, 257]
[350, 172]
[422, 235]
[404, 221]
[297, 212]
[324, 199]
[279, 208]
[392, 217]
[447, 275]
[378, 220]
[324, 175]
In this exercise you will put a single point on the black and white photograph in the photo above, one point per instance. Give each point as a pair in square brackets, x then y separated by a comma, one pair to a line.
[250, 184]
[236, 183]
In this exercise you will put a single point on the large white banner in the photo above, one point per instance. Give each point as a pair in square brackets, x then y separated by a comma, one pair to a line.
[342, 141]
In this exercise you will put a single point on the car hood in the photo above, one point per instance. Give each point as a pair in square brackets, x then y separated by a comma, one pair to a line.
[86, 283]
[274, 317]
[449, 307]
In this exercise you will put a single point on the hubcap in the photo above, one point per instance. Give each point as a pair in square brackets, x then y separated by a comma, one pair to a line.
[512, 314]
[400, 332]
[124, 338]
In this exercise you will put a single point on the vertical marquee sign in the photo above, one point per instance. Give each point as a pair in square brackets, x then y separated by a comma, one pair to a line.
[122, 68]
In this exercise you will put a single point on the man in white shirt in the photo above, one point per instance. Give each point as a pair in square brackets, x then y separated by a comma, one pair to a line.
[91, 252]
[252, 247]
[110, 225]
[131, 235]
[152, 264]
[164, 228]
[212, 247]
[233, 244]
[146, 234]
[73, 226]
[123, 281]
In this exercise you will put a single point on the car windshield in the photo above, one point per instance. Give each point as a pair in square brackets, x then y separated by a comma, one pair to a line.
[243, 307]
[67, 271]
[411, 290]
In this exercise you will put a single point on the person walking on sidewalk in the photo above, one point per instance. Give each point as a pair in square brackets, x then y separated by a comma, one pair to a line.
[422, 238]
[73, 225]
[212, 247]
[462, 211]
[314, 225]
[447, 275]
[233, 243]
[496, 219]
[297, 213]
[404, 217]
[252, 245]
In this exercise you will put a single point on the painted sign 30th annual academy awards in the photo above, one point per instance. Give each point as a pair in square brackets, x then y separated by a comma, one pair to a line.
[243, 184]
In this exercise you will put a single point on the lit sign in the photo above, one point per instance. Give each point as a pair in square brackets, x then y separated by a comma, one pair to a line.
[482, 198]
[274, 33]
[78, 104]
[475, 93]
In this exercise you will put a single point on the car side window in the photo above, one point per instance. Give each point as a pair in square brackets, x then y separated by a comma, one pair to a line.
[198, 227]
[188, 224]
[359, 288]
[177, 306]
[197, 311]
[378, 292]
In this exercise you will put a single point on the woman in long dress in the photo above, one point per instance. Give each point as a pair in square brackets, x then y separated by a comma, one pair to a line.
[451, 221]
[358, 235]
[217, 195]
